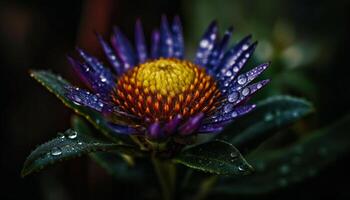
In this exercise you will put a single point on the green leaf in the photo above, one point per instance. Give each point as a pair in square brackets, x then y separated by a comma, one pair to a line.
[56, 85]
[277, 169]
[217, 157]
[270, 116]
[65, 146]
[114, 163]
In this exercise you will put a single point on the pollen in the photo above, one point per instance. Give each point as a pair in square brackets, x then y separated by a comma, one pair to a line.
[160, 89]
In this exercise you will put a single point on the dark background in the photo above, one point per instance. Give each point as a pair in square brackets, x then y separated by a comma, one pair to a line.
[306, 41]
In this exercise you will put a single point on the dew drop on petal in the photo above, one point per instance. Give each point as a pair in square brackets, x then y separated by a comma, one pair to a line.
[56, 151]
[234, 114]
[233, 97]
[242, 79]
[228, 108]
[245, 91]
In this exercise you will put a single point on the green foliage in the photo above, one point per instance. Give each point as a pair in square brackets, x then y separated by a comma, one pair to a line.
[279, 168]
[57, 85]
[218, 157]
[68, 145]
[270, 116]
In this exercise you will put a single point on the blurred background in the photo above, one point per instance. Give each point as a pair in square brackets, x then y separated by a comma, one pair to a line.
[306, 40]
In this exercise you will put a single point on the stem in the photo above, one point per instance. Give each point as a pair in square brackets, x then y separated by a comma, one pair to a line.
[166, 173]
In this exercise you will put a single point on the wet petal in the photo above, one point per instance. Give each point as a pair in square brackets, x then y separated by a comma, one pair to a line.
[123, 130]
[246, 78]
[98, 78]
[247, 91]
[210, 128]
[166, 39]
[123, 48]
[227, 75]
[219, 49]
[206, 44]
[231, 56]
[83, 97]
[111, 56]
[178, 38]
[226, 116]
[140, 43]
[192, 124]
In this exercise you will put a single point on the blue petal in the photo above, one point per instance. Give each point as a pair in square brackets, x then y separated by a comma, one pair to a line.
[206, 45]
[244, 79]
[123, 48]
[210, 128]
[140, 43]
[98, 78]
[191, 125]
[233, 54]
[85, 98]
[228, 115]
[155, 44]
[166, 39]
[112, 58]
[178, 38]
[236, 63]
[218, 51]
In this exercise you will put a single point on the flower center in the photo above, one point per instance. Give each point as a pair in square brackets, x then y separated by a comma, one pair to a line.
[159, 90]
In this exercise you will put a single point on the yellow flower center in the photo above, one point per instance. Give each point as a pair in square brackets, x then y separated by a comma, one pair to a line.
[166, 76]
[160, 89]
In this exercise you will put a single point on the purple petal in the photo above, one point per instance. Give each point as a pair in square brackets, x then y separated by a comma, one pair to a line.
[206, 44]
[230, 57]
[123, 48]
[123, 130]
[219, 49]
[85, 98]
[155, 131]
[166, 39]
[179, 46]
[140, 42]
[210, 128]
[227, 115]
[227, 75]
[112, 58]
[172, 125]
[247, 91]
[155, 44]
[244, 79]
[192, 124]
[98, 78]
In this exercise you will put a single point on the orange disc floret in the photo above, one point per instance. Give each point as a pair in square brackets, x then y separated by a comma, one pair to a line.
[160, 89]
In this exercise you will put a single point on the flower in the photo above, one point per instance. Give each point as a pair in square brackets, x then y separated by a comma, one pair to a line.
[160, 95]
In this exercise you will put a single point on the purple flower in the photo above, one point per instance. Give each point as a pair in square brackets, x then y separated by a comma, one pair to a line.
[155, 92]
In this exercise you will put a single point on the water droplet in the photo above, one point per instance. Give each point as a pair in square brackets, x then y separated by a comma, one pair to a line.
[103, 79]
[241, 168]
[245, 47]
[72, 134]
[80, 143]
[56, 151]
[259, 85]
[245, 91]
[228, 73]
[234, 114]
[228, 108]
[235, 69]
[204, 43]
[242, 79]
[233, 97]
[233, 155]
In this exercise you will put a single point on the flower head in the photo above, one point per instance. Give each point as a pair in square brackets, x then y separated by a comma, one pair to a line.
[158, 94]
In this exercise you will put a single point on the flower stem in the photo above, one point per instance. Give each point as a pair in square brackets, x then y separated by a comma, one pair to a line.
[166, 172]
